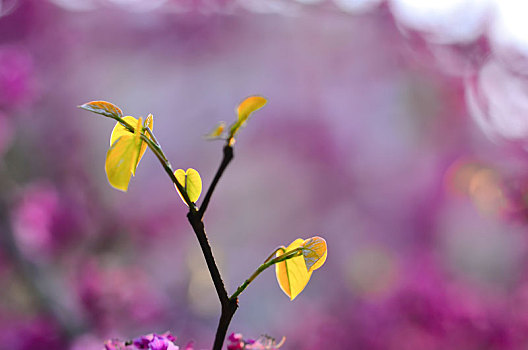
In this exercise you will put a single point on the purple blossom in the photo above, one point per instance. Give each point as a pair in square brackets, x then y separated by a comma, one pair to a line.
[153, 341]
[237, 342]
[158, 344]
[114, 344]
[143, 341]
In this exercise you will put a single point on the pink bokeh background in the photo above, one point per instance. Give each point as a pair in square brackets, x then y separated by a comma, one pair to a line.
[395, 129]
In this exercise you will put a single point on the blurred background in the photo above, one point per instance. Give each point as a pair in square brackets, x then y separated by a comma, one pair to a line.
[395, 129]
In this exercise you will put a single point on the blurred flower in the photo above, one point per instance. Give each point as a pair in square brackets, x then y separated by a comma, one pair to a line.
[357, 6]
[108, 294]
[45, 220]
[236, 342]
[153, 341]
[114, 344]
[17, 82]
[498, 102]
[447, 21]
[33, 220]
[7, 7]
[40, 332]
[86, 342]
[507, 34]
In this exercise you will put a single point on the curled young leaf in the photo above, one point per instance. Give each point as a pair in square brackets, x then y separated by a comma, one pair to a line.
[294, 274]
[149, 122]
[122, 158]
[244, 111]
[191, 182]
[107, 109]
[217, 133]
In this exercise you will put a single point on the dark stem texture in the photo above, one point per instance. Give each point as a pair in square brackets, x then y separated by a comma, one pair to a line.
[228, 157]
[229, 306]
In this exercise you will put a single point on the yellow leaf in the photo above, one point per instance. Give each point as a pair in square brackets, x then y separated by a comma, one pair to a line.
[314, 252]
[250, 105]
[102, 107]
[149, 122]
[244, 110]
[217, 131]
[119, 131]
[122, 159]
[292, 274]
[191, 182]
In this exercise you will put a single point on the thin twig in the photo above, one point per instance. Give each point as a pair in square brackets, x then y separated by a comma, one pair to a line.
[199, 230]
[264, 266]
[229, 306]
[228, 156]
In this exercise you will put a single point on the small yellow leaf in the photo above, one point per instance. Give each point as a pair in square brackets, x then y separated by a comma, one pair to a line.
[250, 105]
[119, 131]
[244, 110]
[292, 274]
[217, 132]
[314, 253]
[191, 182]
[122, 158]
[149, 122]
[104, 108]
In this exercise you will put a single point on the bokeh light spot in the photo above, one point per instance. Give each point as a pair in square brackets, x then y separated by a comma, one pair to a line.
[372, 272]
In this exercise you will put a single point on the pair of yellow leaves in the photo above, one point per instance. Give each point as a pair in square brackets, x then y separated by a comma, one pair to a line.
[191, 183]
[125, 152]
[293, 274]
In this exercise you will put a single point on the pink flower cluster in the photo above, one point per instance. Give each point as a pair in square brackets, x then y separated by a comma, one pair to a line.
[167, 341]
[153, 341]
[236, 342]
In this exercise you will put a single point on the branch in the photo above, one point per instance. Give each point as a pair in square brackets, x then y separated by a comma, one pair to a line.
[225, 319]
[229, 306]
[199, 230]
[228, 156]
